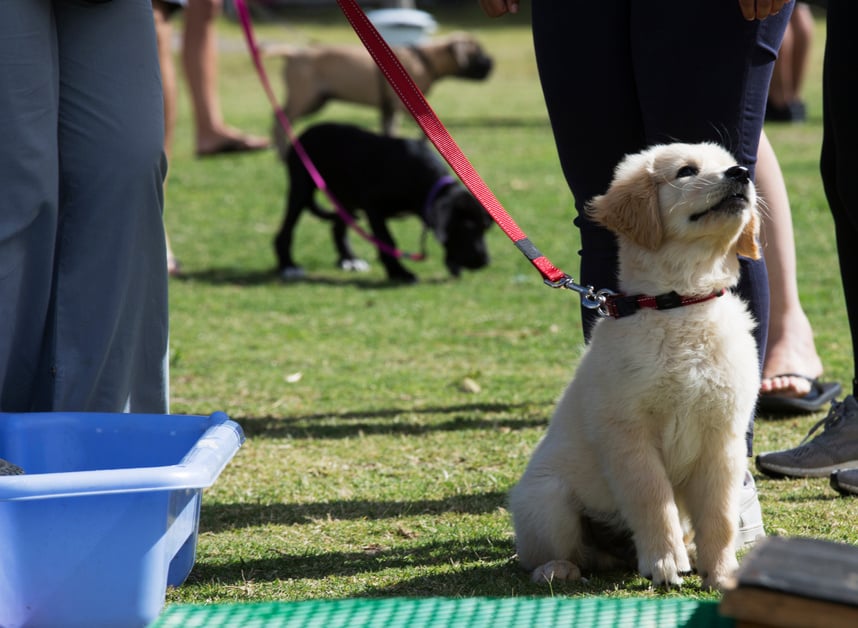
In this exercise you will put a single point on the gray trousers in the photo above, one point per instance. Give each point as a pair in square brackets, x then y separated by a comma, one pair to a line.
[83, 281]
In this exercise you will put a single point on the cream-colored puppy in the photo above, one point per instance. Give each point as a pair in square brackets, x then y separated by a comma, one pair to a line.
[647, 442]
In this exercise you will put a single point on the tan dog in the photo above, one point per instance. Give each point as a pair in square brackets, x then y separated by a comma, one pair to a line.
[314, 75]
[647, 443]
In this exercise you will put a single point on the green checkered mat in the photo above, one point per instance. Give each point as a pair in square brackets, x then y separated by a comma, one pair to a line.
[452, 612]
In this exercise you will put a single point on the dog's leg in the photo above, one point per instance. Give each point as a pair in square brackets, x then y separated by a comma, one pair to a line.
[283, 241]
[548, 533]
[713, 498]
[347, 260]
[395, 270]
[646, 501]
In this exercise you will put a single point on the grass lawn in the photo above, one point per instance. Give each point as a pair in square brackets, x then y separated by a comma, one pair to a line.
[385, 424]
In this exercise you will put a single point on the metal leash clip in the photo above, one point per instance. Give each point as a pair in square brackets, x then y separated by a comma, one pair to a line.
[590, 297]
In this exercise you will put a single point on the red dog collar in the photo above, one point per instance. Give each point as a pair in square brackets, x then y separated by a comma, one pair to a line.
[620, 305]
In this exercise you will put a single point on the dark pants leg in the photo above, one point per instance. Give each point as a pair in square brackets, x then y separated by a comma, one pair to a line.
[839, 160]
[620, 75]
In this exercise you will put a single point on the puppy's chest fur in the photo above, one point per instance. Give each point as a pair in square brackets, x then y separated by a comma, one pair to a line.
[690, 373]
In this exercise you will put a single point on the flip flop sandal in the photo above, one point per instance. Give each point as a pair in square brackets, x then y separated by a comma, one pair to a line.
[820, 394]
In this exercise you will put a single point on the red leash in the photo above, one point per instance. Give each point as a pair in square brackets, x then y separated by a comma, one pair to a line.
[415, 102]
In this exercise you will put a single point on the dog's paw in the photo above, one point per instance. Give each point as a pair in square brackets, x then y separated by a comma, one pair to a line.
[664, 571]
[292, 273]
[354, 265]
[556, 570]
[721, 576]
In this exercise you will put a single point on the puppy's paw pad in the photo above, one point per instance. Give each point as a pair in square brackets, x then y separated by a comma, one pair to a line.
[292, 273]
[556, 570]
[354, 265]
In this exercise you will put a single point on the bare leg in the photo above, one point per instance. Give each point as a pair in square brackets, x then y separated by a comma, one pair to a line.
[199, 58]
[791, 348]
[164, 33]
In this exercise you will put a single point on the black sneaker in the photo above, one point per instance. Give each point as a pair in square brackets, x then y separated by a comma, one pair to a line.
[836, 447]
[845, 481]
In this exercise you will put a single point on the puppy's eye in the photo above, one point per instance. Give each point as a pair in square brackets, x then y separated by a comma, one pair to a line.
[687, 171]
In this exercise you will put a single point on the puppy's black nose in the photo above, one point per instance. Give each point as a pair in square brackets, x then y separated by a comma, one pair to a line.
[738, 173]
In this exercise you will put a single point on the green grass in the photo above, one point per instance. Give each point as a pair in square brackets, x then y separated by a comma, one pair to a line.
[372, 466]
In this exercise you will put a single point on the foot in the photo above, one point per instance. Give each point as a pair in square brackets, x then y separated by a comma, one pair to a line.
[230, 141]
[556, 570]
[787, 385]
[817, 396]
[790, 349]
[834, 448]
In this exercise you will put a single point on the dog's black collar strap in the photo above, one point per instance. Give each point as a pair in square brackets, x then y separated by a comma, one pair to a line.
[620, 305]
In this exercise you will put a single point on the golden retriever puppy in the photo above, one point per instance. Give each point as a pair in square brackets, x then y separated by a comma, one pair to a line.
[647, 445]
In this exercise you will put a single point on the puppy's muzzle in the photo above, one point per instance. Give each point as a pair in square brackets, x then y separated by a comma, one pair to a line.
[477, 68]
[737, 179]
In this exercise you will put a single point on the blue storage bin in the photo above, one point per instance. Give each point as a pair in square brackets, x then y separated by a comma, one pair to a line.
[107, 515]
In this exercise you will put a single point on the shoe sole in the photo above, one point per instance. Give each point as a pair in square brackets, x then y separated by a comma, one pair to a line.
[843, 489]
[779, 471]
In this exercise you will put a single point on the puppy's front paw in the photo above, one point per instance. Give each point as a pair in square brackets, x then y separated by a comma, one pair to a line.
[556, 570]
[721, 576]
[664, 571]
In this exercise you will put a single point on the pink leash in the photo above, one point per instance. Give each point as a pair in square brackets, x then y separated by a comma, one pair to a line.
[415, 102]
[244, 18]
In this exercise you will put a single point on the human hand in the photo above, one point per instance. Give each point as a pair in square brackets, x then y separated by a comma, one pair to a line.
[496, 8]
[758, 9]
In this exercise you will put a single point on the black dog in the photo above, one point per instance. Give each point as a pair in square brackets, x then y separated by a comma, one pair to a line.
[385, 177]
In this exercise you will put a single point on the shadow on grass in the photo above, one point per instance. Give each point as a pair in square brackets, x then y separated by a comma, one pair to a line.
[471, 568]
[217, 517]
[257, 277]
[375, 422]
[371, 559]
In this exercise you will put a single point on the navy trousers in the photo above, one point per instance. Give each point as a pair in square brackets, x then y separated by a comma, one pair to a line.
[621, 75]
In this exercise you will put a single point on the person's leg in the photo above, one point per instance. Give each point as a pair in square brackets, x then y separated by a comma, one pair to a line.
[107, 347]
[835, 446]
[164, 37]
[839, 159]
[611, 73]
[802, 26]
[200, 60]
[790, 347]
[585, 69]
[29, 200]
[781, 89]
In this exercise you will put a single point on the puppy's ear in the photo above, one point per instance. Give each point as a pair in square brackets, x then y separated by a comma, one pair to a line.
[748, 245]
[630, 208]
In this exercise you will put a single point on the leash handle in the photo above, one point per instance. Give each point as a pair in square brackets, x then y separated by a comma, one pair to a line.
[415, 102]
[246, 25]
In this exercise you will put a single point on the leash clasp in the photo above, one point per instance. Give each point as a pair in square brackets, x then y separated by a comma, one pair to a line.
[591, 298]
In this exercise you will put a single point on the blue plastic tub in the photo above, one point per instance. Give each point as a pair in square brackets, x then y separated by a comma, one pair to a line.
[107, 515]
